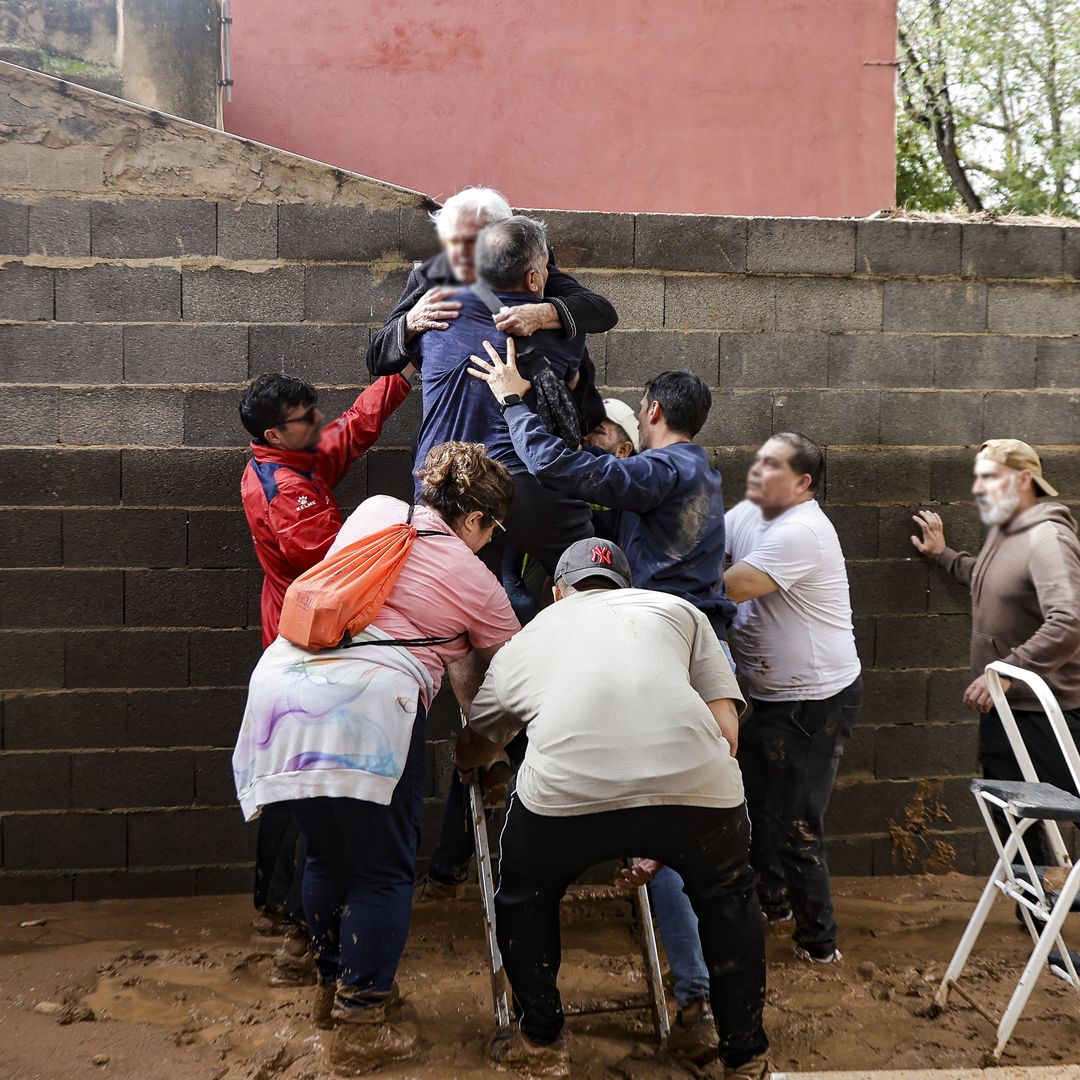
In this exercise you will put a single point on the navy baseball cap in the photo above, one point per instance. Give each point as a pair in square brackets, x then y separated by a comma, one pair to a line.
[593, 558]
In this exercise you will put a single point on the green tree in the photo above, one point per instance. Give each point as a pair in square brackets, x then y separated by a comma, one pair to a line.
[989, 105]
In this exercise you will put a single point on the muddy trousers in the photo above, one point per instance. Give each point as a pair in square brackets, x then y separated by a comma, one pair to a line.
[789, 753]
[541, 856]
[999, 763]
[358, 881]
[279, 861]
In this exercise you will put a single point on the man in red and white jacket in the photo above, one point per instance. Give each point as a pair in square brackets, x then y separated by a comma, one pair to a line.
[287, 488]
[288, 496]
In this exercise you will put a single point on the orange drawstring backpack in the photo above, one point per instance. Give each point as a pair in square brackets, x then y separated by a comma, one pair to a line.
[341, 595]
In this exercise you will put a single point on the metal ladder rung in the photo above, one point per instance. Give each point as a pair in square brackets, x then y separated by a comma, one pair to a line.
[640, 1003]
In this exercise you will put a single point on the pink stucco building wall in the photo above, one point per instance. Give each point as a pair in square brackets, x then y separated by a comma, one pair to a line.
[690, 106]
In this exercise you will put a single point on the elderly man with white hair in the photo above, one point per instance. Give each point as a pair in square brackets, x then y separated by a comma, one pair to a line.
[1025, 607]
[428, 301]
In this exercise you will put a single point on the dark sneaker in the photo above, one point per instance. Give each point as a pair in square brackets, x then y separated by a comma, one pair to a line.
[757, 1068]
[833, 957]
[364, 1041]
[779, 922]
[693, 1035]
[429, 889]
[516, 1051]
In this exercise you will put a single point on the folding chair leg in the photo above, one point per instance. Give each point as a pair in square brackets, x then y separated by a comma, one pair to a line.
[973, 929]
[1050, 936]
[500, 998]
[654, 977]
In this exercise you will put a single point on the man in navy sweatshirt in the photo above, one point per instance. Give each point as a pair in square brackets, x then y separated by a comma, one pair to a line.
[671, 520]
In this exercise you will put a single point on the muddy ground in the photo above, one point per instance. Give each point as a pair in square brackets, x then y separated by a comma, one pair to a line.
[177, 989]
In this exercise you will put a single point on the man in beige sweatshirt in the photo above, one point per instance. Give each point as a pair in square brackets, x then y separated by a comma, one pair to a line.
[1025, 603]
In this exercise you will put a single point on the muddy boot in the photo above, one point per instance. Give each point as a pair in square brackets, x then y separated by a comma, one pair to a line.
[429, 889]
[757, 1068]
[364, 1040]
[322, 1007]
[266, 925]
[693, 1035]
[515, 1050]
[293, 964]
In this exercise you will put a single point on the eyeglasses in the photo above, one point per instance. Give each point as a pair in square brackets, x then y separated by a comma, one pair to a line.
[304, 418]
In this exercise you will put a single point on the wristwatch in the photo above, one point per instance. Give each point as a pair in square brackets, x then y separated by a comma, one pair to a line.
[510, 399]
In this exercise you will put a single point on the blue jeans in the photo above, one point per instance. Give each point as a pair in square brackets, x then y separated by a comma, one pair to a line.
[679, 927]
[358, 881]
[679, 932]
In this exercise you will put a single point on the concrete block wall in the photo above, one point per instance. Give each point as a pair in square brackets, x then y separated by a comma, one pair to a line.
[133, 308]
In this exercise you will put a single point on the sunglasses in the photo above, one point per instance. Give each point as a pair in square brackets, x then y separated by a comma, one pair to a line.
[304, 418]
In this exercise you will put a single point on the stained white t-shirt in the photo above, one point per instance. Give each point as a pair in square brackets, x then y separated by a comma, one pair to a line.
[797, 643]
[611, 687]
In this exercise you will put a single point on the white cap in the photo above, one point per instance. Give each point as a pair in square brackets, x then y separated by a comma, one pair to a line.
[618, 412]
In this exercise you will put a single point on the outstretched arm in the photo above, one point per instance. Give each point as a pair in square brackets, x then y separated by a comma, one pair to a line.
[359, 426]
[638, 484]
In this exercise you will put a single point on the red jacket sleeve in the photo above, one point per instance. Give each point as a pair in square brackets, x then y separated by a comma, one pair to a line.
[359, 426]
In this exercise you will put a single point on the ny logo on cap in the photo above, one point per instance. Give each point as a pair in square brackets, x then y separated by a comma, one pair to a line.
[601, 554]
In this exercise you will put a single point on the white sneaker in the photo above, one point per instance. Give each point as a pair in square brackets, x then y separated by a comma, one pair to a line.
[834, 957]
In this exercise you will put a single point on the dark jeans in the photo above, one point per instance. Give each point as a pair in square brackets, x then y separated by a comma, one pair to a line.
[541, 856]
[789, 752]
[454, 852]
[999, 763]
[358, 881]
[541, 522]
[279, 856]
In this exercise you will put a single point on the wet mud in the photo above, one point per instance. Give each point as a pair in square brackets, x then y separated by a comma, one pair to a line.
[177, 989]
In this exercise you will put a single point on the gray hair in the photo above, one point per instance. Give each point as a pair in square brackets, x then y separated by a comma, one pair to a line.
[507, 250]
[483, 203]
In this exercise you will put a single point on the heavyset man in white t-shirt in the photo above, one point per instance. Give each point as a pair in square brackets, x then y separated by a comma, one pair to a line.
[631, 756]
[794, 644]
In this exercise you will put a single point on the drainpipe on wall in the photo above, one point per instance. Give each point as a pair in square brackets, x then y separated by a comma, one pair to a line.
[225, 81]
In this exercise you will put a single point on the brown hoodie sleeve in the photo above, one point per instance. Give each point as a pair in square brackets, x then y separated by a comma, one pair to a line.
[1054, 566]
[958, 563]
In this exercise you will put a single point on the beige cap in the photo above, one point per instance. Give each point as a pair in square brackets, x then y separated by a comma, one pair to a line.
[1016, 455]
[618, 412]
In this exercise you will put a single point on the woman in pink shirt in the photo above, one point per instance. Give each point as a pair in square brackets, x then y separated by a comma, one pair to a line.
[338, 734]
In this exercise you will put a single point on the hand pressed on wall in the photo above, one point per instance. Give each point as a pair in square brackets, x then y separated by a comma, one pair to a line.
[932, 543]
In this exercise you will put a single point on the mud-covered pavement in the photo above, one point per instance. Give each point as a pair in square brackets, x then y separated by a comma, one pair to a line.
[177, 990]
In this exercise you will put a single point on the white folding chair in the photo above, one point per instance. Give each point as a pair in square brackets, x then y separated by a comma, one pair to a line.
[1025, 804]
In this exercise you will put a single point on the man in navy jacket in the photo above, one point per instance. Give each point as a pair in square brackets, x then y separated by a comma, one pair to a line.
[671, 520]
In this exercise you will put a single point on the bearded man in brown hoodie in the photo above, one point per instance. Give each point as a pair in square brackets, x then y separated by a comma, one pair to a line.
[1025, 604]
